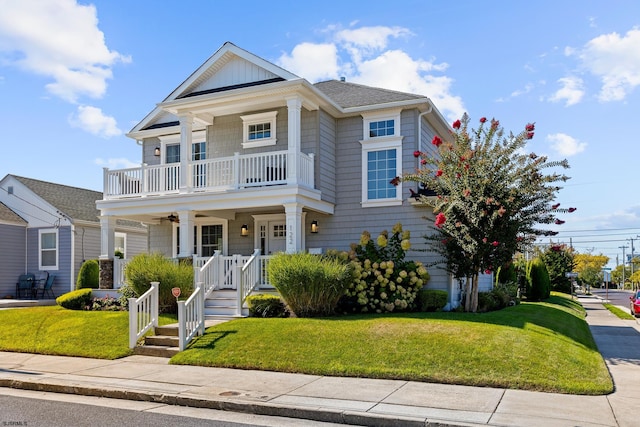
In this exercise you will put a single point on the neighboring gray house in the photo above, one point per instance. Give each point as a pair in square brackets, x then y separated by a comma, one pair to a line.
[54, 228]
[245, 155]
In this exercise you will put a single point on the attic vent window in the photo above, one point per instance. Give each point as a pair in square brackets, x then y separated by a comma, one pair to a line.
[10, 189]
[259, 130]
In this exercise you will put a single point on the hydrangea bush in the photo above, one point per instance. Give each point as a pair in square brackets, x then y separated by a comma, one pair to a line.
[384, 281]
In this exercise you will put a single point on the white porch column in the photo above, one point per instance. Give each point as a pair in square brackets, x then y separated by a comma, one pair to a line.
[294, 107]
[187, 221]
[107, 237]
[186, 137]
[293, 212]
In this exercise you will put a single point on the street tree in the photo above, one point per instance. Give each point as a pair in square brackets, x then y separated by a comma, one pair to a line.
[559, 261]
[491, 198]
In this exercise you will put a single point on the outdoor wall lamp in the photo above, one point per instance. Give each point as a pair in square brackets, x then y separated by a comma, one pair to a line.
[244, 230]
[314, 226]
[156, 152]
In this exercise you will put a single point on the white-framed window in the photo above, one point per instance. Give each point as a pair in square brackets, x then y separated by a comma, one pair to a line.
[171, 147]
[120, 243]
[259, 130]
[381, 159]
[48, 249]
[208, 236]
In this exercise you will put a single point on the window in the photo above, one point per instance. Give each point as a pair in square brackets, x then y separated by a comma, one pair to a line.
[211, 239]
[48, 250]
[381, 159]
[381, 128]
[120, 244]
[259, 130]
[172, 153]
[198, 151]
[381, 169]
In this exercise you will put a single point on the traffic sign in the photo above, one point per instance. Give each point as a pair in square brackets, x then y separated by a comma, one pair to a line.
[606, 268]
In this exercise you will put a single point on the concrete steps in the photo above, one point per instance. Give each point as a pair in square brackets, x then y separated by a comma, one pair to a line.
[165, 343]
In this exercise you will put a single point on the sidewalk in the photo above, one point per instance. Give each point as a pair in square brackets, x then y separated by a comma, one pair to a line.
[347, 400]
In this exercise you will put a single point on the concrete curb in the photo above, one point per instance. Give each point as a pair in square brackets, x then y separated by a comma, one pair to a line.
[329, 415]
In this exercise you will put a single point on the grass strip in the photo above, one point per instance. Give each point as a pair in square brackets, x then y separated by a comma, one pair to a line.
[618, 312]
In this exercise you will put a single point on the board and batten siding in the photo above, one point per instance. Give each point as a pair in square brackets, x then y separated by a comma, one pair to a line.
[12, 257]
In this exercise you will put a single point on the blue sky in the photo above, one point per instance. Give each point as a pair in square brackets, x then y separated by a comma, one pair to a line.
[76, 76]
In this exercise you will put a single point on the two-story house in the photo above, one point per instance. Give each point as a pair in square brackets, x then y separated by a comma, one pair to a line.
[245, 155]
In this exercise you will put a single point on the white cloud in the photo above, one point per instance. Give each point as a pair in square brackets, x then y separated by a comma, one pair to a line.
[94, 121]
[58, 39]
[615, 60]
[362, 56]
[116, 163]
[314, 62]
[566, 145]
[571, 91]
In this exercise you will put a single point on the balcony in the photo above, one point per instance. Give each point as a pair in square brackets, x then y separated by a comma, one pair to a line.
[212, 175]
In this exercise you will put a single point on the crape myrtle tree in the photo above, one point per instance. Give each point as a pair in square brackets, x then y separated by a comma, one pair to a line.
[491, 198]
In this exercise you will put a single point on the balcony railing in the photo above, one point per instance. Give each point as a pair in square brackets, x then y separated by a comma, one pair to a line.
[220, 174]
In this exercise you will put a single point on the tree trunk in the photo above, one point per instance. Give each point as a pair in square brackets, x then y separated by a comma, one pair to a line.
[467, 293]
[474, 293]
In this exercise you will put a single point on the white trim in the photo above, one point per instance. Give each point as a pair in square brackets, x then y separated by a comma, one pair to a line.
[198, 223]
[377, 116]
[124, 244]
[256, 119]
[57, 249]
[380, 144]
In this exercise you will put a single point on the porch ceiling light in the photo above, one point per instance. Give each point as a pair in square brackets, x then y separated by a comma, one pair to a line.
[244, 231]
[314, 226]
[156, 152]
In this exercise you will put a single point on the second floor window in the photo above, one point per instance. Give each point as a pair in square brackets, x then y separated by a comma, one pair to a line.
[173, 153]
[259, 130]
[381, 128]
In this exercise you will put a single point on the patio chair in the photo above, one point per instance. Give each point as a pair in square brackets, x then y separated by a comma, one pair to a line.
[25, 285]
[47, 288]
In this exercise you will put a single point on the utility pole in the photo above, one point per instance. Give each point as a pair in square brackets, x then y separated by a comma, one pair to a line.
[624, 263]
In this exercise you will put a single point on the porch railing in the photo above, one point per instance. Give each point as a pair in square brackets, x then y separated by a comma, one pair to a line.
[191, 317]
[143, 314]
[249, 276]
[214, 175]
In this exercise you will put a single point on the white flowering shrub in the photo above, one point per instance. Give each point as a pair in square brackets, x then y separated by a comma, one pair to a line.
[384, 281]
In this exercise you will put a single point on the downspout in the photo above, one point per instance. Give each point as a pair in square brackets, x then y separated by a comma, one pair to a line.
[73, 257]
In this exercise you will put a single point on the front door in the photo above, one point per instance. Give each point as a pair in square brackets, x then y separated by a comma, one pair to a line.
[276, 237]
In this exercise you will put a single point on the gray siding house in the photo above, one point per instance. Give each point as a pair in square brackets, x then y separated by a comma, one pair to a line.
[244, 155]
[54, 228]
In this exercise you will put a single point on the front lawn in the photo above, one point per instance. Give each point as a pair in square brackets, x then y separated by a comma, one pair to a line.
[535, 346]
[56, 330]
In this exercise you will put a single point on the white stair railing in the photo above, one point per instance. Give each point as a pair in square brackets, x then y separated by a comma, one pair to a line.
[209, 273]
[143, 314]
[248, 277]
[191, 316]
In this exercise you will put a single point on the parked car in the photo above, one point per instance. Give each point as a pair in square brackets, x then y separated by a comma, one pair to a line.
[635, 303]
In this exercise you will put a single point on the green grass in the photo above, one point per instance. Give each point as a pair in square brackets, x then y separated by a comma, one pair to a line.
[58, 331]
[535, 346]
[618, 312]
[543, 346]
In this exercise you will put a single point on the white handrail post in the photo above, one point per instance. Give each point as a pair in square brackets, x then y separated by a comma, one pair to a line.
[133, 322]
[155, 302]
[182, 324]
[236, 166]
[201, 307]
[239, 292]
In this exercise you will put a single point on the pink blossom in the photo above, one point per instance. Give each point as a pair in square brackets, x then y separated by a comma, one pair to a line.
[530, 135]
[436, 141]
[395, 181]
[495, 243]
[483, 119]
[439, 172]
[487, 271]
[416, 153]
[423, 161]
[572, 209]
[456, 124]
[556, 206]
[559, 221]
[484, 240]
[440, 219]
[530, 127]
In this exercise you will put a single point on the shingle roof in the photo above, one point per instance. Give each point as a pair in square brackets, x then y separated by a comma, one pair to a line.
[77, 203]
[347, 94]
[6, 214]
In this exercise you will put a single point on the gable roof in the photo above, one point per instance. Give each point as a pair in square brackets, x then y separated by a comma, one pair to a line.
[349, 95]
[76, 203]
[8, 215]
